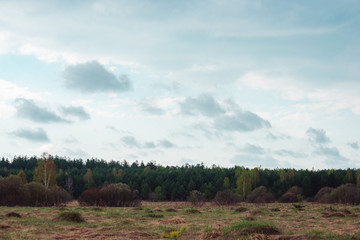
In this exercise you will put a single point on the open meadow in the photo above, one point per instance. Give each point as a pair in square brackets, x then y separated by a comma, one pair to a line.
[180, 220]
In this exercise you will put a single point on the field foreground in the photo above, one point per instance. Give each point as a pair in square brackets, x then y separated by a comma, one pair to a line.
[179, 220]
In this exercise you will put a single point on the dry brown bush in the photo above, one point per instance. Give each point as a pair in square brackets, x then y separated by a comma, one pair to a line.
[260, 195]
[13, 192]
[119, 195]
[346, 194]
[323, 195]
[37, 194]
[90, 197]
[292, 195]
[57, 196]
[226, 197]
[196, 198]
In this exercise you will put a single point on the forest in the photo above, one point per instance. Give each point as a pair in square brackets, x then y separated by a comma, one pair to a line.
[174, 183]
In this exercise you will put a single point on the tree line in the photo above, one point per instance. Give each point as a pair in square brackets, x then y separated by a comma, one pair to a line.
[170, 183]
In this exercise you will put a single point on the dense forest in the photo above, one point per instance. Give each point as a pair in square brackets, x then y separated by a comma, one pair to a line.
[172, 183]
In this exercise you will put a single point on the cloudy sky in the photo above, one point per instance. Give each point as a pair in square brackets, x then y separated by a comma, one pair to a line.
[246, 82]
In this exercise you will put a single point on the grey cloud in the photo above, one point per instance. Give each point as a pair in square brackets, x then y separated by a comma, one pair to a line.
[327, 151]
[317, 135]
[250, 160]
[149, 145]
[272, 136]
[130, 141]
[331, 154]
[76, 153]
[249, 148]
[37, 135]
[204, 104]
[29, 110]
[354, 145]
[78, 112]
[290, 153]
[241, 121]
[92, 77]
[166, 143]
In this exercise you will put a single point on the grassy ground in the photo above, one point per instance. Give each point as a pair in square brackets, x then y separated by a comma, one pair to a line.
[182, 221]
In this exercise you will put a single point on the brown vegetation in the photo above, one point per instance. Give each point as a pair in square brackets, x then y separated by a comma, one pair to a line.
[260, 195]
[196, 198]
[13, 192]
[292, 195]
[226, 197]
[113, 195]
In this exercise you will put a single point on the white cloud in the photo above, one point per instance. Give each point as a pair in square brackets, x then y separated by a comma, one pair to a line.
[9, 91]
[286, 86]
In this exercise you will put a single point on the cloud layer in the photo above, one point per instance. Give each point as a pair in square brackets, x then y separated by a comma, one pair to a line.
[132, 142]
[36, 135]
[317, 135]
[78, 112]
[29, 110]
[91, 77]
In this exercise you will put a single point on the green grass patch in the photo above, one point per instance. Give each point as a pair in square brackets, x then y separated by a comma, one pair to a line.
[70, 217]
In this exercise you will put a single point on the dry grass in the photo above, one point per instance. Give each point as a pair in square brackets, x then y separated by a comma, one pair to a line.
[316, 221]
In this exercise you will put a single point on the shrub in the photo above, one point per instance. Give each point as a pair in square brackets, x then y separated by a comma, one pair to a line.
[347, 193]
[260, 195]
[197, 198]
[57, 196]
[90, 197]
[323, 195]
[119, 195]
[292, 195]
[37, 194]
[13, 192]
[226, 197]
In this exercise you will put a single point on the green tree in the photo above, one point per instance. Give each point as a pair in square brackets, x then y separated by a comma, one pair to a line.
[226, 184]
[349, 176]
[45, 172]
[22, 175]
[243, 185]
[159, 193]
[88, 177]
[255, 177]
[358, 178]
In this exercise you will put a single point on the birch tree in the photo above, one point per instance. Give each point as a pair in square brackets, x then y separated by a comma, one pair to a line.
[45, 172]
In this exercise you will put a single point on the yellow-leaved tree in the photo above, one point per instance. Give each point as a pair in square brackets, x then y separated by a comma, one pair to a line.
[45, 172]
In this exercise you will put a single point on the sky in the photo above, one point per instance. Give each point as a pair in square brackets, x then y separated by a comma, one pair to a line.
[254, 83]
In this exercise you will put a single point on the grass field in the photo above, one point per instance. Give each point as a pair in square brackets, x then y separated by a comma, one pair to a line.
[179, 220]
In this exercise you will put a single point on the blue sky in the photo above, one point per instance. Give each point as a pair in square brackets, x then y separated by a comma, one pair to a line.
[252, 83]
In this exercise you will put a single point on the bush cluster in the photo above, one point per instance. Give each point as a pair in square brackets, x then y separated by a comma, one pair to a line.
[260, 195]
[13, 192]
[226, 197]
[196, 198]
[294, 194]
[346, 194]
[112, 195]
